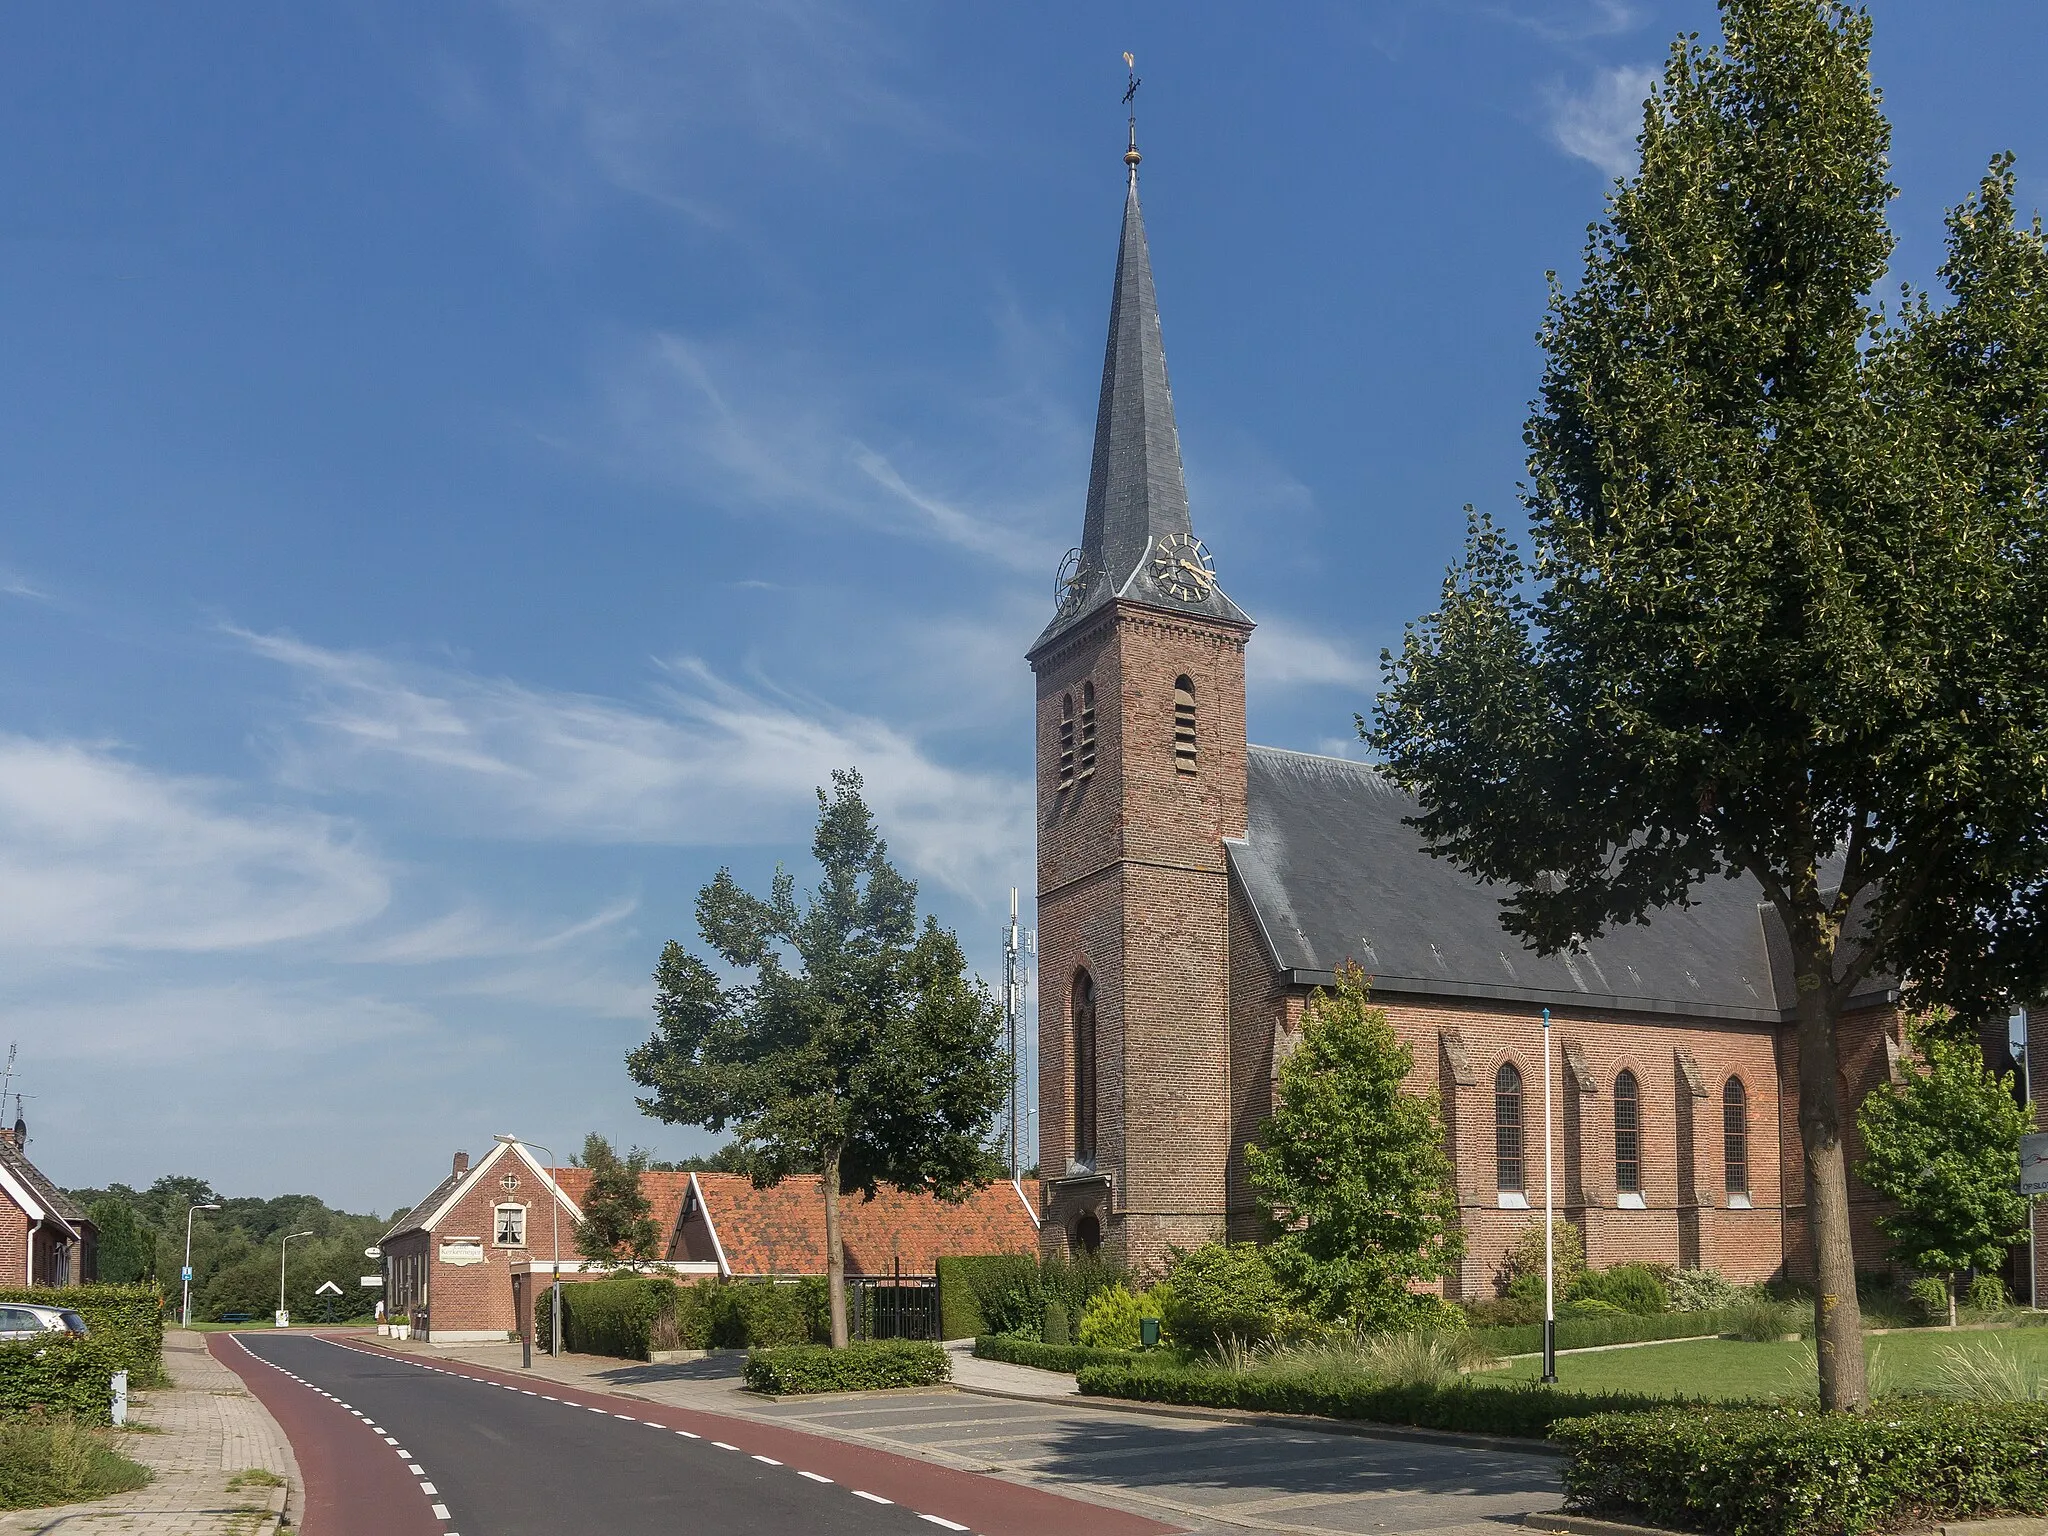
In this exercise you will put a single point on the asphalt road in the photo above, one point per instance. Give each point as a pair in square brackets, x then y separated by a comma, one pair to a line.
[391, 1446]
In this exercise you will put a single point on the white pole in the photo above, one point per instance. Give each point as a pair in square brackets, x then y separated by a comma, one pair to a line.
[280, 1272]
[2027, 1089]
[185, 1310]
[1549, 1253]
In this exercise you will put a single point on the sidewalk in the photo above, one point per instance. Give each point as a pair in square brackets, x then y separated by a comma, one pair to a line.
[210, 1428]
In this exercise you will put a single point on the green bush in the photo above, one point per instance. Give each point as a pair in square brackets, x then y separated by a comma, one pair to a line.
[45, 1461]
[1987, 1293]
[1929, 1296]
[1791, 1472]
[1637, 1288]
[611, 1317]
[1592, 1307]
[988, 1293]
[631, 1316]
[70, 1376]
[130, 1317]
[766, 1314]
[1527, 1410]
[1503, 1311]
[1015, 1349]
[1224, 1291]
[865, 1367]
[1055, 1329]
[1521, 1269]
[1111, 1318]
[1624, 1328]
[1760, 1320]
[1701, 1290]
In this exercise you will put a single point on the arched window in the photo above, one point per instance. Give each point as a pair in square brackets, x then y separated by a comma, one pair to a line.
[1183, 725]
[1507, 1127]
[1084, 1067]
[1735, 1136]
[1628, 1135]
[1066, 740]
[1087, 729]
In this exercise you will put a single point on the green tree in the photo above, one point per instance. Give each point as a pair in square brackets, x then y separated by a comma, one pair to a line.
[618, 1227]
[1782, 615]
[1352, 1168]
[1943, 1145]
[127, 1247]
[860, 1050]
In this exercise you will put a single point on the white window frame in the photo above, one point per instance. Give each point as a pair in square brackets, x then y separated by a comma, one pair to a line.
[498, 1223]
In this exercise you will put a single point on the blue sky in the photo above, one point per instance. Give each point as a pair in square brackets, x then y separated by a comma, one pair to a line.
[467, 471]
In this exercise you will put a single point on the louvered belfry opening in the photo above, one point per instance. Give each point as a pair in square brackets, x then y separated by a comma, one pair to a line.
[1066, 741]
[1735, 1136]
[1507, 1127]
[1183, 725]
[1087, 729]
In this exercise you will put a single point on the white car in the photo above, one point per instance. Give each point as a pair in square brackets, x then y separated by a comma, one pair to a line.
[19, 1322]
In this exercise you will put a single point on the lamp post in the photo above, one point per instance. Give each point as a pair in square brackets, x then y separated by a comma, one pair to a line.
[555, 1290]
[280, 1273]
[1549, 1286]
[185, 1310]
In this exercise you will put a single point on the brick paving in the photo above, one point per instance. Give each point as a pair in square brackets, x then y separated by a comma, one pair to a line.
[209, 1429]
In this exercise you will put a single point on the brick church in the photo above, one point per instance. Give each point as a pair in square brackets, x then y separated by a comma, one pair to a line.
[1193, 890]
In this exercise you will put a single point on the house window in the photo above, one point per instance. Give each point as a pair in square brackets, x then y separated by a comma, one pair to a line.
[1735, 1136]
[1507, 1127]
[1087, 729]
[1628, 1135]
[1066, 740]
[1183, 725]
[1084, 1067]
[511, 1226]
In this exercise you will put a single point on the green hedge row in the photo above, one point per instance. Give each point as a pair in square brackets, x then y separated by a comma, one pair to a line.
[1017, 1350]
[975, 1291]
[1528, 1411]
[1791, 1472]
[1589, 1332]
[865, 1367]
[631, 1316]
[69, 1375]
[128, 1317]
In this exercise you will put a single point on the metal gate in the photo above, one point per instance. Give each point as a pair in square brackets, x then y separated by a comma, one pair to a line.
[892, 1306]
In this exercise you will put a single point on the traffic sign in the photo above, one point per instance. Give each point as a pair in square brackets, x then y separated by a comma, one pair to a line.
[2034, 1164]
[327, 1288]
[372, 1281]
[188, 1273]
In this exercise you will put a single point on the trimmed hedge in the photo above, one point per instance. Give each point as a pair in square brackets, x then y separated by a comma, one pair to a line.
[1794, 1472]
[130, 1317]
[1528, 1411]
[630, 1316]
[866, 1367]
[971, 1289]
[1589, 1332]
[1015, 1349]
[69, 1375]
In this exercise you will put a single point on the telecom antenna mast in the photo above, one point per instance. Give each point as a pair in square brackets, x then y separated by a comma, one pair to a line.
[1017, 945]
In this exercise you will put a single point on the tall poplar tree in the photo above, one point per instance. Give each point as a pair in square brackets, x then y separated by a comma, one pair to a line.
[859, 1052]
[1782, 618]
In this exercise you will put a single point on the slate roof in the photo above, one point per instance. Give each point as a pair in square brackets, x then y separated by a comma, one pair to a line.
[1137, 493]
[52, 1199]
[1334, 875]
[781, 1230]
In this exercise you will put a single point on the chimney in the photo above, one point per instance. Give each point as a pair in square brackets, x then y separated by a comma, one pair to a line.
[461, 1164]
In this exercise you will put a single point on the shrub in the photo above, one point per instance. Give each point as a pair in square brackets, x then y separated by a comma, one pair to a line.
[130, 1317]
[1015, 1349]
[1074, 1280]
[45, 1461]
[70, 1375]
[611, 1317]
[1788, 1472]
[994, 1293]
[1111, 1318]
[1987, 1293]
[767, 1314]
[1610, 1327]
[1761, 1320]
[1637, 1288]
[1592, 1306]
[862, 1367]
[1521, 1268]
[1223, 1291]
[1503, 1311]
[1055, 1326]
[1985, 1373]
[1527, 1411]
[1701, 1290]
[1929, 1296]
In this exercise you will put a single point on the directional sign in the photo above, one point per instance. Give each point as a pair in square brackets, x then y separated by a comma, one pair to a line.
[373, 1252]
[2034, 1164]
[327, 1288]
[372, 1280]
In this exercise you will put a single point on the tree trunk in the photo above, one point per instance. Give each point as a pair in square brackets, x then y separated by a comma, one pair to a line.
[1838, 1321]
[1951, 1301]
[835, 1252]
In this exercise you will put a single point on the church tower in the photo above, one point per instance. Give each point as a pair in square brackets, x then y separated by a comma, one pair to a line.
[1141, 777]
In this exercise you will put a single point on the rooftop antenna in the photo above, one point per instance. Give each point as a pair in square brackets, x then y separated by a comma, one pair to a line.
[1131, 155]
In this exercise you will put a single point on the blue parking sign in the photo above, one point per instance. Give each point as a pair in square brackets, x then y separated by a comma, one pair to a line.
[188, 1273]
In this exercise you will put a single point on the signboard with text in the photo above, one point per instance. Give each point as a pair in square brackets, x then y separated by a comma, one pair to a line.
[2034, 1164]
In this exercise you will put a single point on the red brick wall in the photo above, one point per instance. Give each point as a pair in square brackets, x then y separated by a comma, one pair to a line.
[14, 1228]
[1132, 886]
[471, 1297]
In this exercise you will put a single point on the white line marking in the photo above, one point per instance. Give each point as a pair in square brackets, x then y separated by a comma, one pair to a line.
[813, 1476]
[872, 1498]
[951, 1525]
[688, 1436]
[441, 1512]
[723, 1446]
[417, 1471]
[429, 1488]
[767, 1461]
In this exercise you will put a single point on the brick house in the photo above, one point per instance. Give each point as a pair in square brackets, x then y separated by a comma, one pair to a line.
[45, 1239]
[779, 1232]
[1194, 889]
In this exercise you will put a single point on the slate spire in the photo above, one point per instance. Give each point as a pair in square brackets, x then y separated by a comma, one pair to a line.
[1137, 493]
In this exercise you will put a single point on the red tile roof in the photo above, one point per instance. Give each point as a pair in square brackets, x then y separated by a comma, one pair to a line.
[781, 1230]
[665, 1192]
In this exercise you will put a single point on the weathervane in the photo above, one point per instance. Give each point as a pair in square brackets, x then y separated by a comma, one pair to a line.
[1131, 155]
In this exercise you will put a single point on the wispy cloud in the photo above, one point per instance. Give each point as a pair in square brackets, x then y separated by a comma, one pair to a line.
[1600, 124]
[473, 933]
[14, 584]
[1283, 655]
[1570, 21]
[99, 854]
[183, 1022]
[706, 763]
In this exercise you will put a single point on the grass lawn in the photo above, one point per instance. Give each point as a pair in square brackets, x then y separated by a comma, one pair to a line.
[1727, 1369]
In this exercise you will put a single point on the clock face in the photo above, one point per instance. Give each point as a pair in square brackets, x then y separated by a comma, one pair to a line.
[1071, 585]
[1182, 568]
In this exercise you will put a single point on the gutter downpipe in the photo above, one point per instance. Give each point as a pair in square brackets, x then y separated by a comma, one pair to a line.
[1549, 1285]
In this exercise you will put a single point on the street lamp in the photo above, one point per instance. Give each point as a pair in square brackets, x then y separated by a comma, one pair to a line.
[280, 1273]
[555, 1290]
[185, 1311]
